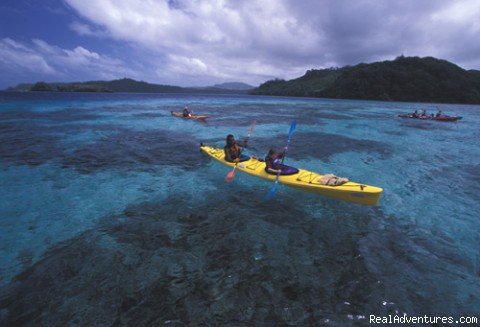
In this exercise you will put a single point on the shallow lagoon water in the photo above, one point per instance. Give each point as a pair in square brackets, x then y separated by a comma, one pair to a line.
[110, 214]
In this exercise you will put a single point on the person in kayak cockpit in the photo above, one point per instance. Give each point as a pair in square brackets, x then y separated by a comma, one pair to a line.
[274, 165]
[186, 112]
[233, 153]
[272, 160]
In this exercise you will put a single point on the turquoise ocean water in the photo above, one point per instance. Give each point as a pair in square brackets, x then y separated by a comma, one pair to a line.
[110, 214]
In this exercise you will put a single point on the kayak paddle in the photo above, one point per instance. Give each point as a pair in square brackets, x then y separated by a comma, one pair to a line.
[254, 123]
[274, 188]
[231, 174]
[293, 126]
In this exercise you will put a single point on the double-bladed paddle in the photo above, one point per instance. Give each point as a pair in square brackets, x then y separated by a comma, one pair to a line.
[274, 188]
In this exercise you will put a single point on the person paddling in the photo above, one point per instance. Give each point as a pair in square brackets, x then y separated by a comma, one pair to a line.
[232, 150]
[186, 112]
[272, 161]
[273, 164]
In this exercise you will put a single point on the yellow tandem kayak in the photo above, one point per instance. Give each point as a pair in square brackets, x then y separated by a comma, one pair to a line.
[304, 180]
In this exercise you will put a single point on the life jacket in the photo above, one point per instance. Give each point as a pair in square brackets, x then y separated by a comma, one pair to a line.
[233, 151]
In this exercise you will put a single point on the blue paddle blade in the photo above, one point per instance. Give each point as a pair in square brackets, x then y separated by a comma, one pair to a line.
[292, 129]
[272, 192]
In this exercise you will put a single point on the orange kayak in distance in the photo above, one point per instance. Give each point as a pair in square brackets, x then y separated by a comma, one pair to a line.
[180, 114]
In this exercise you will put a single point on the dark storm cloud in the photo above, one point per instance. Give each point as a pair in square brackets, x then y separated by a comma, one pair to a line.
[256, 39]
[356, 31]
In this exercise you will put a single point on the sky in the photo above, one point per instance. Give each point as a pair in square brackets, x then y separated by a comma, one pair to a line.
[206, 42]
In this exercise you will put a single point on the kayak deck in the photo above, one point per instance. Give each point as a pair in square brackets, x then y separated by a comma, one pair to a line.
[439, 118]
[304, 180]
[180, 115]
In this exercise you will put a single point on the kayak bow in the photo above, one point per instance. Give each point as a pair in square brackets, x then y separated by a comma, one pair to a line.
[304, 180]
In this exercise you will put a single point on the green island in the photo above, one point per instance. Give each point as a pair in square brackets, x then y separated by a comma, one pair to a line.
[403, 79]
[129, 85]
[412, 79]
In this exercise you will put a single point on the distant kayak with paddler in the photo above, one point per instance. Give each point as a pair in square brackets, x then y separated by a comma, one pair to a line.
[430, 117]
[191, 116]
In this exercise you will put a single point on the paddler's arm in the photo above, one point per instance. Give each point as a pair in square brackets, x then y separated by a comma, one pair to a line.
[274, 171]
[244, 143]
[270, 169]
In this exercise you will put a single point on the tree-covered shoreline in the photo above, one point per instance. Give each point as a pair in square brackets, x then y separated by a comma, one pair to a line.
[403, 79]
[128, 85]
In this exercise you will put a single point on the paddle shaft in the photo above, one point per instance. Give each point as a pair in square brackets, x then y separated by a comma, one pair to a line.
[250, 131]
[290, 134]
[231, 174]
[273, 190]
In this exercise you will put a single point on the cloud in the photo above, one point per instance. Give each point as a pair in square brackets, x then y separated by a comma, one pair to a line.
[86, 30]
[194, 66]
[201, 42]
[15, 57]
[52, 63]
[456, 27]
[282, 38]
[214, 38]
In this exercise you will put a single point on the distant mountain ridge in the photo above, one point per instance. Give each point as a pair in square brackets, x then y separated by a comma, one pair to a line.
[403, 79]
[412, 79]
[235, 86]
[127, 85]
